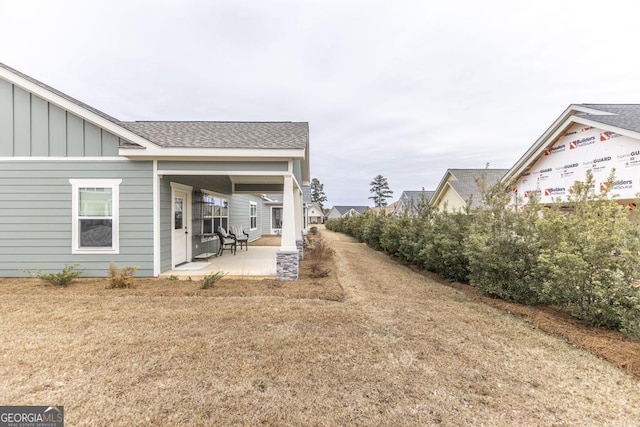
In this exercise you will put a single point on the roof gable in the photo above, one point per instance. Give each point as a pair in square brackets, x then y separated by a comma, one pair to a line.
[154, 139]
[68, 103]
[463, 182]
[623, 119]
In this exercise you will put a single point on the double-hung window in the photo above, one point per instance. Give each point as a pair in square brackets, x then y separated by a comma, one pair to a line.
[253, 215]
[95, 206]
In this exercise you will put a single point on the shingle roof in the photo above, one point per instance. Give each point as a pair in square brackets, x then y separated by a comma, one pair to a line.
[465, 183]
[625, 116]
[344, 209]
[414, 196]
[63, 95]
[411, 200]
[241, 135]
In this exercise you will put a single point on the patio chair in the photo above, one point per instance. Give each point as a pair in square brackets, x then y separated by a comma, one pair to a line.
[241, 236]
[227, 241]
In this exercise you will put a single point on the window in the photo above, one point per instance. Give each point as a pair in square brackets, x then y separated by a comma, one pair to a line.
[253, 215]
[95, 206]
[215, 213]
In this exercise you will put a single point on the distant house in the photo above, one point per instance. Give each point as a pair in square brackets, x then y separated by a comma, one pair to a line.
[385, 210]
[459, 186]
[409, 201]
[315, 214]
[341, 211]
[585, 137]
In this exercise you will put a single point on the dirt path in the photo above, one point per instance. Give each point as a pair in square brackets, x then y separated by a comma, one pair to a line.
[471, 364]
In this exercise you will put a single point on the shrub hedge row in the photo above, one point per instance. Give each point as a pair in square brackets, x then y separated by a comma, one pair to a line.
[582, 255]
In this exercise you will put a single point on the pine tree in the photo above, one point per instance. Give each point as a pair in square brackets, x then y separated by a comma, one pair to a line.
[381, 191]
[317, 193]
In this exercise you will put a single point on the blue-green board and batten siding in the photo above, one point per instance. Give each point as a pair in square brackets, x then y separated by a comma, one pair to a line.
[42, 147]
[33, 127]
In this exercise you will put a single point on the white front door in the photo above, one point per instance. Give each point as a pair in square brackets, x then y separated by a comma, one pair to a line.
[180, 216]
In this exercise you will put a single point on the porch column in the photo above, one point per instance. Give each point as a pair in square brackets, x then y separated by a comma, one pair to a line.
[287, 256]
[297, 198]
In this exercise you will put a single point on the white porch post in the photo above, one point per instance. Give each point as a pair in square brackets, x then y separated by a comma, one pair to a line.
[297, 198]
[287, 256]
[288, 216]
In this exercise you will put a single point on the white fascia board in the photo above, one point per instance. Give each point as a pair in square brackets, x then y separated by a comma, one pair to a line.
[74, 108]
[230, 154]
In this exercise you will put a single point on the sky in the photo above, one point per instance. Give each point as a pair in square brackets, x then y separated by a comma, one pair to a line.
[405, 88]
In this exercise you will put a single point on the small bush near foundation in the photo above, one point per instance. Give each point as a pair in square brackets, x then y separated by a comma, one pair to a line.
[121, 277]
[63, 278]
[211, 279]
[320, 251]
[316, 271]
[172, 278]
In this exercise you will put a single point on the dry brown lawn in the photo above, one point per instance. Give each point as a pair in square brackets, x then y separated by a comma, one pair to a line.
[396, 348]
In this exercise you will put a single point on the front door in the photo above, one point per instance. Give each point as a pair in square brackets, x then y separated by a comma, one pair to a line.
[180, 217]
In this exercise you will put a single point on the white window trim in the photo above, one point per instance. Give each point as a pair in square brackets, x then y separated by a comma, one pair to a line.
[114, 184]
[251, 204]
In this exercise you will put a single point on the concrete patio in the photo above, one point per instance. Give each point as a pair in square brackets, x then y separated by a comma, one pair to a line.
[256, 263]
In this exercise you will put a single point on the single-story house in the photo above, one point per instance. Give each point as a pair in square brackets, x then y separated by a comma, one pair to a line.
[340, 211]
[315, 214]
[595, 137]
[409, 201]
[458, 186]
[78, 186]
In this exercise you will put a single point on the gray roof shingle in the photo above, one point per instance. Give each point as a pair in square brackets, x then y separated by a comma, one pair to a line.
[625, 116]
[344, 209]
[465, 184]
[241, 135]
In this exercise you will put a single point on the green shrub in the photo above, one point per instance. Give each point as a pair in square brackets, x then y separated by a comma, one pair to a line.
[63, 278]
[590, 258]
[372, 227]
[211, 279]
[121, 277]
[502, 247]
[392, 233]
[444, 252]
